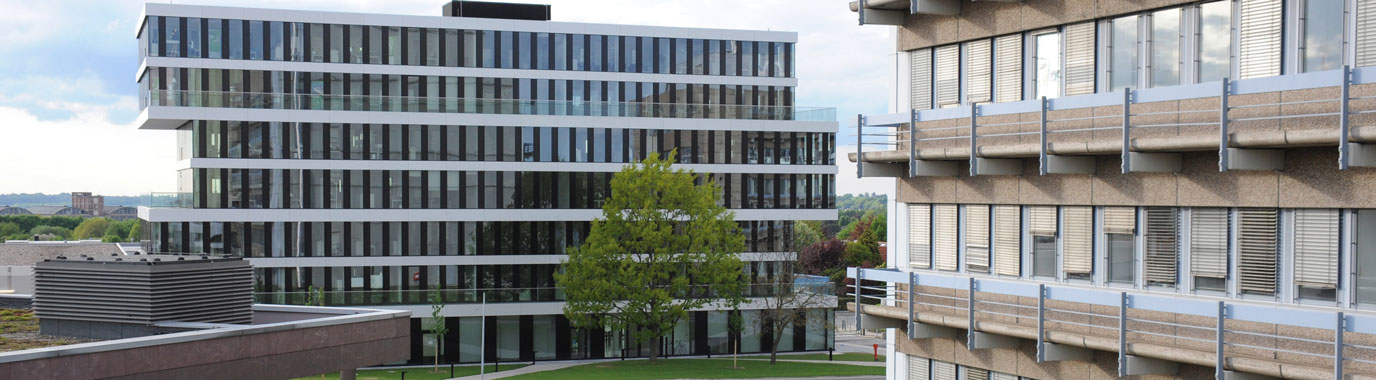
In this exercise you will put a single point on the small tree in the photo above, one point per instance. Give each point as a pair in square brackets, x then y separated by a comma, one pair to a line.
[315, 297]
[787, 301]
[663, 247]
[91, 228]
[437, 324]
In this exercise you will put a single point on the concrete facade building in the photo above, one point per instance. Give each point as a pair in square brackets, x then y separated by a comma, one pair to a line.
[380, 157]
[93, 204]
[1105, 188]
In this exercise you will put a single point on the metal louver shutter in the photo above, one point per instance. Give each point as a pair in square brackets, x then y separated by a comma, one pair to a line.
[943, 370]
[1008, 68]
[977, 238]
[1042, 220]
[944, 221]
[1120, 220]
[947, 63]
[972, 373]
[1316, 248]
[920, 78]
[978, 67]
[1259, 36]
[1162, 236]
[1256, 247]
[1366, 33]
[1079, 59]
[1209, 242]
[920, 236]
[919, 368]
[1001, 376]
[1007, 233]
[1078, 253]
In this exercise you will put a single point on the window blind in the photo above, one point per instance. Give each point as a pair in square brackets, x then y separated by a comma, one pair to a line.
[1259, 37]
[1007, 240]
[947, 63]
[1008, 68]
[943, 370]
[1042, 220]
[1316, 248]
[972, 373]
[1256, 246]
[979, 70]
[1162, 238]
[1209, 242]
[1079, 59]
[1366, 33]
[1002, 376]
[944, 223]
[1078, 249]
[919, 368]
[1120, 220]
[920, 236]
[920, 78]
[977, 238]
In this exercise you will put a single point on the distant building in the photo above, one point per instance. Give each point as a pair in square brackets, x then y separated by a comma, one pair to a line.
[10, 210]
[58, 211]
[120, 213]
[92, 204]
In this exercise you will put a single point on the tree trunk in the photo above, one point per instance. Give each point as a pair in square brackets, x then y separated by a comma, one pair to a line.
[774, 345]
[654, 349]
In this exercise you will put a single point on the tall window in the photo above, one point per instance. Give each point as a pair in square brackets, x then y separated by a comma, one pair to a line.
[1322, 24]
[1042, 227]
[1161, 240]
[1078, 242]
[1257, 247]
[977, 238]
[919, 236]
[1215, 52]
[1316, 253]
[1048, 71]
[1123, 53]
[1209, 248]
[1165, 48]
[1365, 235]
[1120, 225]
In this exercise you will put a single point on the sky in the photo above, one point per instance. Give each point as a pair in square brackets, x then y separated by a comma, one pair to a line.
[68, 99]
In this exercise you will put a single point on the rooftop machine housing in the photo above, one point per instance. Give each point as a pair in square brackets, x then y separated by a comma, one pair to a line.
[508, 11]
[128, 296]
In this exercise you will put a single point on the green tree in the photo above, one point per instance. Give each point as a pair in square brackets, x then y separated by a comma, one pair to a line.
[8, 229]
[663, 247]
[134, 231]
[806, 233]
[120, 230]
[91, 228]
[437, 324]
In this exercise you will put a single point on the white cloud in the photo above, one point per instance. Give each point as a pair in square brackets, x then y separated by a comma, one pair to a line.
[83, 153]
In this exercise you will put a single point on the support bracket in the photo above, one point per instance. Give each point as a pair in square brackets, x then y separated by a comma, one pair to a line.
[1255, 159]
[1139, 162]
[1141, 365]
[1361, 155]
[921, 330]
[1054, 352]
[879, 16]
[1056, 164]
[995, 166]
[929, 168]
[984, 340]
[877, 322]
[882, 169]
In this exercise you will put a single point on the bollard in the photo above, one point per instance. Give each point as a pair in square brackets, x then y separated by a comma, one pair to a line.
[403, 375]
[829, 352]
[876, 352]
[451, 370]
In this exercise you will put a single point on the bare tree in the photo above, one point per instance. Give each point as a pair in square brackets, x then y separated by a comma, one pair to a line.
[786, 299]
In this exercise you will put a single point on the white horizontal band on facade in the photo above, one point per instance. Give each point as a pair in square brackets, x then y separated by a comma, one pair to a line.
[376, 261]
[360, 68]
[283, 15]
[161, 214]
[549, 308]
[168, 117]
[573, 167]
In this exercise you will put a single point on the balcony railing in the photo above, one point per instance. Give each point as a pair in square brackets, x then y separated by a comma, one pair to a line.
[1128, 114]
[468, 296]
[167, 200]
[1232, 331]
[280, 101]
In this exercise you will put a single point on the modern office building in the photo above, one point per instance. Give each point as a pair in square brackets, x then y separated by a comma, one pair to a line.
[379, 157]
[1106, 188]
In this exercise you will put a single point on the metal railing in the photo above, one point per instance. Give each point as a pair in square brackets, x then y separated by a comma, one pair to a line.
[282, 101]
[167, 200]
[494, 295]
[894, 131]
[1123, 326]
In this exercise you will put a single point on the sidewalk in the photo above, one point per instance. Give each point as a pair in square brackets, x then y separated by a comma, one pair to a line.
[540, 367]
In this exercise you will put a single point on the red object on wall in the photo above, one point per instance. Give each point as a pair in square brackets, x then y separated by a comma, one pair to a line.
[415, 276]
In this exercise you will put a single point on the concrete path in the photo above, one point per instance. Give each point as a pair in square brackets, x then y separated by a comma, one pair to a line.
[782, 359]
[877, 377]
[539, 367]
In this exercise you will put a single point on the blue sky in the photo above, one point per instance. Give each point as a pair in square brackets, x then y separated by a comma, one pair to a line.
[68, 97]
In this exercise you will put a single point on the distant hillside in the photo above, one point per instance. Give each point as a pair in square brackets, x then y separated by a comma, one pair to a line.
[60, 199]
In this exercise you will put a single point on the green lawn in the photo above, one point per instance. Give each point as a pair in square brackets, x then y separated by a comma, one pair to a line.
[416, 373]
[698, 369]
[844, 357]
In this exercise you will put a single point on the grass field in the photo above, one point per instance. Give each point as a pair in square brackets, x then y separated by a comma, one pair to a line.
[698, 369]
[842, 357]
[416, 373]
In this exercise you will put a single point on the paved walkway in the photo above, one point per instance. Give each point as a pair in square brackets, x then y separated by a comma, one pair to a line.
[539, 367]
[877, 377]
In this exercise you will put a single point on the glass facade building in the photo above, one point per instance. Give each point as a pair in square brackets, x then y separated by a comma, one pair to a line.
[378, 163]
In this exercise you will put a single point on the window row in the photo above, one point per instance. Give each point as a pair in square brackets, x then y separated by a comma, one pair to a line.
[251, 139]
[920, 368]
[232, 88]
[1165, 47]
[192, 37]
[1290, 255]
[418, 189]
[365, 239]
